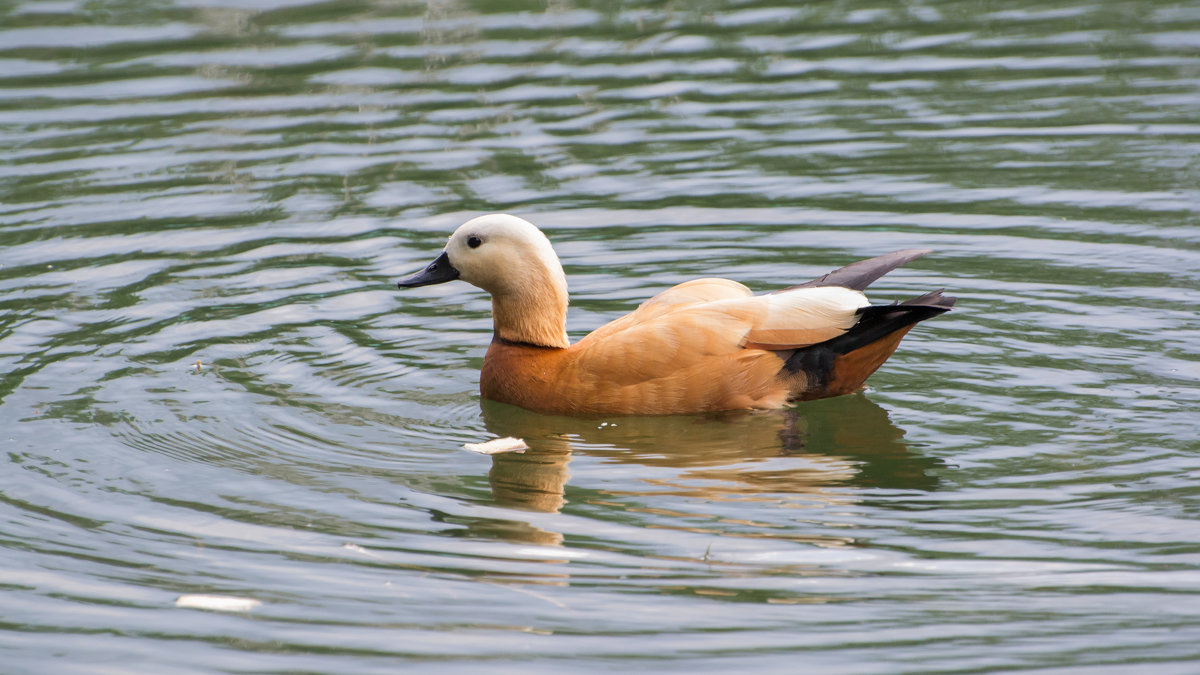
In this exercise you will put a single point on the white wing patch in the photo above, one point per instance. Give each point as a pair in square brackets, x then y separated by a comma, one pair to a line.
[805, 316]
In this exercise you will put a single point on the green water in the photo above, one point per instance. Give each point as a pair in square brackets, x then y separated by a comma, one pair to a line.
[239, 183]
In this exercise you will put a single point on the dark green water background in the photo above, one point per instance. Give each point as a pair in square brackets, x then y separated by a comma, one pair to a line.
[239, 182]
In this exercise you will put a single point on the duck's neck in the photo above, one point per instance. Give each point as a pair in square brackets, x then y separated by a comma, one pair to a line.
[533, 313]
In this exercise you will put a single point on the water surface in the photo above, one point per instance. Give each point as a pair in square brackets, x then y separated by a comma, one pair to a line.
[208, 383]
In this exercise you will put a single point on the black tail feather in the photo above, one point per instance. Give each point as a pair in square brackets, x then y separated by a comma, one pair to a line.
[880, 320]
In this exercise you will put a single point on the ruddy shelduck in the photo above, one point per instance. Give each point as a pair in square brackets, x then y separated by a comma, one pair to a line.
[704, 345]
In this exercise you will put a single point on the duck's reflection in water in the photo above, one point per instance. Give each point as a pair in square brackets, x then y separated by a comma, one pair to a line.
[817, 449]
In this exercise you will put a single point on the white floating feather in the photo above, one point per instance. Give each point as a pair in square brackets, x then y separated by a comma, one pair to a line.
[497, 446]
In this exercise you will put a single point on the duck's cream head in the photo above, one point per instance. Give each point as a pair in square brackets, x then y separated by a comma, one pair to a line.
[513, 261]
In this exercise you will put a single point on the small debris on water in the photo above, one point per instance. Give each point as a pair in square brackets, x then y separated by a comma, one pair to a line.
[351, 546]
[217, 603]
[497, 446]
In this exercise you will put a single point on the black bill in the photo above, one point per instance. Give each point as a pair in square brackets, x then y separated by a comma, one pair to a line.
[438, 272]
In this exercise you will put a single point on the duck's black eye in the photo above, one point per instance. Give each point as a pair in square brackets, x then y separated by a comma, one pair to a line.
[474, 241]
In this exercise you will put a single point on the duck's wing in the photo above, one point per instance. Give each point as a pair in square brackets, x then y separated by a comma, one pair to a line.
[673, 332]
[798, 316]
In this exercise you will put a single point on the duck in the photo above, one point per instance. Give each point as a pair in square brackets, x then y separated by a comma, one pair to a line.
[702, 346]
